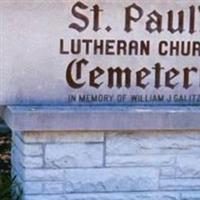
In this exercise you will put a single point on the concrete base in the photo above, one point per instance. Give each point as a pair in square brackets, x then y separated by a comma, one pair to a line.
[58, 164]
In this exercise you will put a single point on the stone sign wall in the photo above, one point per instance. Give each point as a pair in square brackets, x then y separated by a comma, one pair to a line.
[60, 154]
[99, 52]
[59, 53]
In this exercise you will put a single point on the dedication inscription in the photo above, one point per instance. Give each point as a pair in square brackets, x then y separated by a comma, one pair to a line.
[104, 52]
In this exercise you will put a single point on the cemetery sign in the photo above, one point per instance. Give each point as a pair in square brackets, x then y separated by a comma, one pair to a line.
[104, 52]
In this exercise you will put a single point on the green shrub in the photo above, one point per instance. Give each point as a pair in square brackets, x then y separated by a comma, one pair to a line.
[9, 188]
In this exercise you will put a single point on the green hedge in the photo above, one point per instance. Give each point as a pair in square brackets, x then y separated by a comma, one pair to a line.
[5, 148]
[10, 189]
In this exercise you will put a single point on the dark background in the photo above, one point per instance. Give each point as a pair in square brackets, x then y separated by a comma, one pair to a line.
[5, 147]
